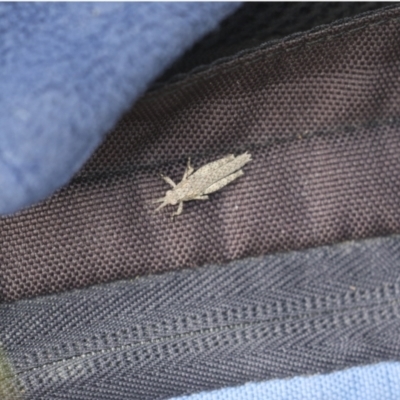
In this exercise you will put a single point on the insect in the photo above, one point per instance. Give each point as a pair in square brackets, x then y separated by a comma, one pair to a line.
[197, 185]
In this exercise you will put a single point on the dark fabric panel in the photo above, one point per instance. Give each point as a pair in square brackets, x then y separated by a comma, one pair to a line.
[255, 23]
[181, 332]
[320, 115]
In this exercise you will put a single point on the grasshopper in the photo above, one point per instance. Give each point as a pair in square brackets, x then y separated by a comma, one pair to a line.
[197, 185]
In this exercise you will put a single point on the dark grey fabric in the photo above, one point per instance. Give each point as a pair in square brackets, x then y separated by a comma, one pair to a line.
[180, 332]
[255, 23]
[320, 115]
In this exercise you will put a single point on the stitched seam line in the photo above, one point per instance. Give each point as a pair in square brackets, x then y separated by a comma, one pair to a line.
[378, 123]
[285, 47]
[275, 43]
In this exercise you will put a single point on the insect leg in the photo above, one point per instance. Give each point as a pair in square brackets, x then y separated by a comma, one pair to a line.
[201, 198]
[223, 182]
[160, 200]
[168, 180]
[179, 210]
[189, 171]
[161, 206]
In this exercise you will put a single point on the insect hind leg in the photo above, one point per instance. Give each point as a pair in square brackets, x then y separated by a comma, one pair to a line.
[179, 210]
[205, 197]
[223, 182]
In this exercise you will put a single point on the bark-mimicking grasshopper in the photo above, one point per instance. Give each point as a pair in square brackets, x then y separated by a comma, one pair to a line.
[207, 179]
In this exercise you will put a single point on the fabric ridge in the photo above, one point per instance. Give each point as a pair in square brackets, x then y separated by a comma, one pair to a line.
[320, 115]
[278, 316]
[256, 23]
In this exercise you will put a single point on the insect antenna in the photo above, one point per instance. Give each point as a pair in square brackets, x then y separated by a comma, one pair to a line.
[160, 200]
[164, 203]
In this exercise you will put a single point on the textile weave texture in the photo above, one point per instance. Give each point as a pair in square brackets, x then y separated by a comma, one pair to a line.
[320, 114]
[375, 382]
[68, 72]
[255, 23]
[183, 332]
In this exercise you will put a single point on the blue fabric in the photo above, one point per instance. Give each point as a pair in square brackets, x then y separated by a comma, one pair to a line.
[67, 73]
[372, 382]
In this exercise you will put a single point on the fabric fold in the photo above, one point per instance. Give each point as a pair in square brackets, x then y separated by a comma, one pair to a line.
[278, 316]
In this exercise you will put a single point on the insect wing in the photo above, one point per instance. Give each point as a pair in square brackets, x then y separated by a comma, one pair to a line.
[216, 171]
[214, 166]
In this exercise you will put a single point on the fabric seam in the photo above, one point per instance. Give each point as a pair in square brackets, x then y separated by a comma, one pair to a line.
[268, 53]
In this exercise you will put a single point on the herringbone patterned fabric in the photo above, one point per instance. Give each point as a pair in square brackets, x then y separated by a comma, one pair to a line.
[186, 331]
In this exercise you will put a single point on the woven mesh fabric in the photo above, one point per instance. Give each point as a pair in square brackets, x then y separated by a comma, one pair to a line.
[182, 332]
[320, 114]
[255, 23]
